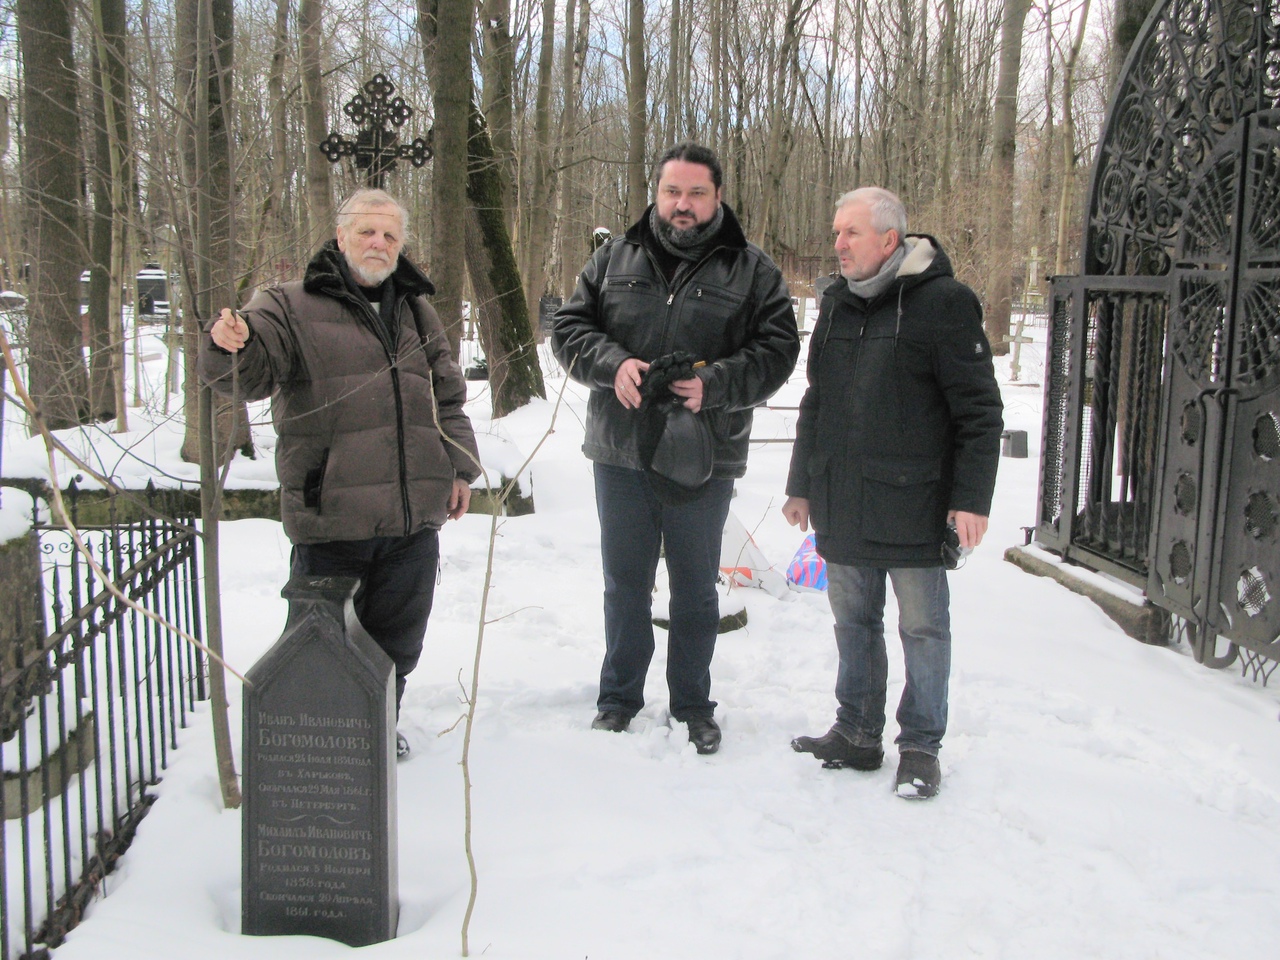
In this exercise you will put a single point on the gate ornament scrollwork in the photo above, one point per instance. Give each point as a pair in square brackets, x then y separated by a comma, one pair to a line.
[1165, 469]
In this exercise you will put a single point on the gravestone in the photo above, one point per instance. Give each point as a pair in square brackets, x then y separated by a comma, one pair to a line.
[319, 815]
[547, 307]
[152, 285]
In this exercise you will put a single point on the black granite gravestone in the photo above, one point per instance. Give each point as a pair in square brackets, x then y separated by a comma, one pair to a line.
[319, 813]
[547, 307]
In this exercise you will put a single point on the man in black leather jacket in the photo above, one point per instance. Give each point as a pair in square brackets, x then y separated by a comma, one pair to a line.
[898, 436]
[682, 280]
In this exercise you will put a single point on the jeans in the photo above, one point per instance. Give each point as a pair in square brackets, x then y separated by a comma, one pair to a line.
[857, 597]
[397, 585]
[633, 526]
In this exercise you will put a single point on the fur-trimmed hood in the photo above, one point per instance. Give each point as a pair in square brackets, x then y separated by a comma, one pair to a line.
[328, 274]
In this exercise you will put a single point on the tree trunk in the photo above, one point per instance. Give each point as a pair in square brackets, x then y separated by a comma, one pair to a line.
[446, 35]
[497, 69]
[108, 29]
[319, 188]
[269, 217]
[58, 382]
[1067, 175]
[1004, 133]
[543, 189]
[515, 375]
[778, 149]
[573, 233]
[214, 219]
[109, 89]
[637, 114]
[498, 302]
[1130, 15]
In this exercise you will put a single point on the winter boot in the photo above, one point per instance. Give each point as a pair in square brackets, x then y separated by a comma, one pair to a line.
[836, 750]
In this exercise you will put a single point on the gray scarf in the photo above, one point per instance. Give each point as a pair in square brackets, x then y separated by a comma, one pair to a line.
[691, 244]
[872, 287]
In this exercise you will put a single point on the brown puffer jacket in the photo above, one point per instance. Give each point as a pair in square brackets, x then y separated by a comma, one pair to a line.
[359, 453]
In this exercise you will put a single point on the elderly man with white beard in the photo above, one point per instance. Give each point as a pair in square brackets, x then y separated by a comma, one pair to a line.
[374, 450]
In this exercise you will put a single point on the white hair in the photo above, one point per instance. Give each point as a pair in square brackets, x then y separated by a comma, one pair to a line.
[365, 198]
[887, 211]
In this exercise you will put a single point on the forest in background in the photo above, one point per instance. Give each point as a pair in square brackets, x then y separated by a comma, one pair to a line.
[185, 132]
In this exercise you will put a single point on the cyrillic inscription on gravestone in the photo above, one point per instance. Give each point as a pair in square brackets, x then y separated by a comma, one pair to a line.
[319, 813]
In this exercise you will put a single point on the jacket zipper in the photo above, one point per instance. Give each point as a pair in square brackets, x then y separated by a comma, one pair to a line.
[395, 389]
[682, 282]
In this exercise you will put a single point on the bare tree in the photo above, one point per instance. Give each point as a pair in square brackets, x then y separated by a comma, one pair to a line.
[446, 41]
[319, 190]
[999, 287]
[269, 218]
[542, 187]
[497, 70]
[637, 112]
[51, 164]
[111, 181]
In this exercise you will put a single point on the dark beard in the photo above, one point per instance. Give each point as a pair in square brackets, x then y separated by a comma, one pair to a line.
[687, 237]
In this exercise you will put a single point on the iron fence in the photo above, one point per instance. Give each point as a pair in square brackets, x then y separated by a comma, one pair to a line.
[92, 694]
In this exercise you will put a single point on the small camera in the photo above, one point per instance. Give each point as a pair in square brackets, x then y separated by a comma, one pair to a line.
[953, 555]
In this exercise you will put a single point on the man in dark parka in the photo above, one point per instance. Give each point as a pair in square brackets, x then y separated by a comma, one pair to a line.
[898, 436]
[374, 449]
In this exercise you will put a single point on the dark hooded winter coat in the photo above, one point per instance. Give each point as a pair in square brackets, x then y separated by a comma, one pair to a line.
[355, 403]
[902, 418]
[731, 309]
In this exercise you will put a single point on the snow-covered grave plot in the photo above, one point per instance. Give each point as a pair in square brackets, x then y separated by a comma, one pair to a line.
[1101, 798]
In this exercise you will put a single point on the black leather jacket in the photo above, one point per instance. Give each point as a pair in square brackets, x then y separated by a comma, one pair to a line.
[731, 309]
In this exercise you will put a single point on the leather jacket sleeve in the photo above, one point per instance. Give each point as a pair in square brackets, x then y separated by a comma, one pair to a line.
[581, 344]
[761, 365]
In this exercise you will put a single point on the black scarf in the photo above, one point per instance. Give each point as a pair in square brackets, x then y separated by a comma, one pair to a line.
[691, 244]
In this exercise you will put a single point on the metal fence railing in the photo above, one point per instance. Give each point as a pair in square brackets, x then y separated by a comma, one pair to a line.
[92, 694]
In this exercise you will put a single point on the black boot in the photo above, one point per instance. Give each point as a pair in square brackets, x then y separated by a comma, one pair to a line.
[704, 734]
[919, 775]
[835, 750]
[615, 721]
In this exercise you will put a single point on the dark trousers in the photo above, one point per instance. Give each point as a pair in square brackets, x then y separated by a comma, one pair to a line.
[397, 584]
[634, 524]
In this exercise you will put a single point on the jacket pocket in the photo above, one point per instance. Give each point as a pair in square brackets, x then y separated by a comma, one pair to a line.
[819, 491]
[626, 283]
[313, 482]
[901, 500]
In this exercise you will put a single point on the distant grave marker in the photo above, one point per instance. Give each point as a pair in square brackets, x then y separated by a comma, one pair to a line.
[319, 816]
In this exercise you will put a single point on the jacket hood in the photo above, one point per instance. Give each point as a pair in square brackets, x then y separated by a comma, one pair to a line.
[730, 234]
[925, 260]
[328, 273]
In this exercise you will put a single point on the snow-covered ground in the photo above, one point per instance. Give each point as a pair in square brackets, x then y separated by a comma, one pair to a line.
[1100, 798]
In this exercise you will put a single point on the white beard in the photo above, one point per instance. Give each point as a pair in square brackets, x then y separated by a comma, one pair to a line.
[367, 279]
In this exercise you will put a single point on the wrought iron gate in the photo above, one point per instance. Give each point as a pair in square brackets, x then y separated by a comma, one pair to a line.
[1162, 420]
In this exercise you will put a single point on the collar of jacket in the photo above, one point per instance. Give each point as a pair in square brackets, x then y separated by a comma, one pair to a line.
[325, 276]
[925, 260]
[730, 234]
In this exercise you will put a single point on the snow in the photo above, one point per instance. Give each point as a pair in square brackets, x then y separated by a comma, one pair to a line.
[1100, 797]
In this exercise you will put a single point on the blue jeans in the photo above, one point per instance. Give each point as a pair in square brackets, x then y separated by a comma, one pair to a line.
[633, 526]
[397, 586]
[857, 597]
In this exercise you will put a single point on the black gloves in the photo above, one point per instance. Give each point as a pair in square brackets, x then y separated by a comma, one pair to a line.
[663, 372]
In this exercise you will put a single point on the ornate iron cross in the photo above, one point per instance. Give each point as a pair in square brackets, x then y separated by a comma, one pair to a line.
[378, 117]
